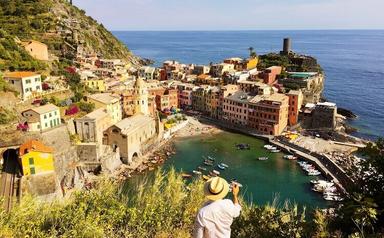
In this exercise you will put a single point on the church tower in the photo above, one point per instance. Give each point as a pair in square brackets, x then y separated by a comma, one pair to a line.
[140, 97]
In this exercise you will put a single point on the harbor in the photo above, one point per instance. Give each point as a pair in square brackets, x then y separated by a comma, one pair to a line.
[204, 156]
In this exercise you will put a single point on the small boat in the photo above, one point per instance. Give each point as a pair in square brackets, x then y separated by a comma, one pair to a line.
[268, 146]
[216, 172]
[208, 163]
[206, 177]
[186, 175]
[263, 158]
[290, 157]
[224, 165]
[202, 168]
[211, 158]
[314, 173]
[220, 166]
[197, 172]
[275, 151]
[243, 146]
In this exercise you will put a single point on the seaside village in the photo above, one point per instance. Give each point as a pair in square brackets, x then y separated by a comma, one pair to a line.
[127, 113]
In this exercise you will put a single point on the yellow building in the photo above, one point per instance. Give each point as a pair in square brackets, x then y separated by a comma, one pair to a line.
[36, 158]
[109, 102]
[96, 85]
[251, 63]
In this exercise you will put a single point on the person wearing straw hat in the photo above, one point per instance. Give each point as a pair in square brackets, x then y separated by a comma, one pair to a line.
[215, 218]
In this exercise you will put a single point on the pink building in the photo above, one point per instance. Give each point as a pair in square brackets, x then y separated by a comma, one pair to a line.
[235, 108]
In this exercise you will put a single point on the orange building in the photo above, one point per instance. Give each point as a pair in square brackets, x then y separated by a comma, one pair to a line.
[295, 102]
[164, 98]
[269, 75]
[36, 49]
[268, 114]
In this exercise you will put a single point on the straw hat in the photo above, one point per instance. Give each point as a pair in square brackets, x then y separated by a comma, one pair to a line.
[216, 188]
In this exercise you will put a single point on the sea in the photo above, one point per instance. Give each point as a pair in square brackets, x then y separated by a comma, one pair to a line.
[353, 61]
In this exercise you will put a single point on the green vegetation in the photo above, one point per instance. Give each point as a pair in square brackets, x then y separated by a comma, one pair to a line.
[61, 26]
[6, 87]
[86, 107]
[14, 57]
[6, 116]
[162, 206]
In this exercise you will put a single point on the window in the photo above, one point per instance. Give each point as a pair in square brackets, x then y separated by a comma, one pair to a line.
[37, 79]
[37, 87]
[50, 114]
[32, 166]
[27, 81]
[45, 116]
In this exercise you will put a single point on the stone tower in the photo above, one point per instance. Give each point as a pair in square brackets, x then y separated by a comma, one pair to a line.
[140, 97]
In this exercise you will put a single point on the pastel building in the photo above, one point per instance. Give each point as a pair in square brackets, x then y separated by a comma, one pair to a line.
[36, 49]
[268, 114]
[235, 108]
[132, 136]
[28, 84]
[42, 118]
[296, 99]
[108, 101]
[90, 128]
[36, 158]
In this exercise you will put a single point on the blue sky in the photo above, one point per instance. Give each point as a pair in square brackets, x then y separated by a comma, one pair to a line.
[235, 14]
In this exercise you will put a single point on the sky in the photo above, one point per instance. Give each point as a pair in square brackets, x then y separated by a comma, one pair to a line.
[235, 14]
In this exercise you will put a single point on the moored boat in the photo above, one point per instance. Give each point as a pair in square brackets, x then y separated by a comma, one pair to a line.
[314, 173]
[216, 172]
[275, 151]
[224, 165]
[221, 167]
[197, 172]
[263, 158]
[201, 168]
[186, 175]
[289, 157]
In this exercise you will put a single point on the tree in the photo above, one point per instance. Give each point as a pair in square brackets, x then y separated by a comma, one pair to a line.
[252, 52]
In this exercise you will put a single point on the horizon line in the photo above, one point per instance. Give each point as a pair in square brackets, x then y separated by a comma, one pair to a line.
[218, 30]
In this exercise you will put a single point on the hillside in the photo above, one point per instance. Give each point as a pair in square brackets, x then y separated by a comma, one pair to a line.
[63, 27]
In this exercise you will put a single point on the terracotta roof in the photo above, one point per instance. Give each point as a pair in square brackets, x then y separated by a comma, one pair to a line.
[20, 74]
[34, 145]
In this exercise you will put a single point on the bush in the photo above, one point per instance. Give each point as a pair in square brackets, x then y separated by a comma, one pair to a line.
[86, 107]
[6, 116]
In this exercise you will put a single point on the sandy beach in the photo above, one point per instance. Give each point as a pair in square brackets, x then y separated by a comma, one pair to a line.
[195, 128]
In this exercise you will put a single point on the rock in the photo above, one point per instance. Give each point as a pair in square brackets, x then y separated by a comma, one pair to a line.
[347, 113]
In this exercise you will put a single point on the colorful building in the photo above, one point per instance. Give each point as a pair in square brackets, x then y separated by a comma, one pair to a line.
[96, 84]
[109, 102]
[42, 118]
[28, 84]
[296, 99]
[235, 108]
[268, 114]
[36, 158]
[36, 49]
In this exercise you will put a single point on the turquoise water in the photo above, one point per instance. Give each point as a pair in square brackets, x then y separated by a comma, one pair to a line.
[262, 180]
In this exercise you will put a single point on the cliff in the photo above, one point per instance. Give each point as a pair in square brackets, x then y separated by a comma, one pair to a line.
[64, 28]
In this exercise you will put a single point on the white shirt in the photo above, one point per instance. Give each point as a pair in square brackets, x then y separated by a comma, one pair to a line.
[215, 219]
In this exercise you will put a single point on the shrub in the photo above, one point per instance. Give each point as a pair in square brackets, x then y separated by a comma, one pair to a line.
[86, 107]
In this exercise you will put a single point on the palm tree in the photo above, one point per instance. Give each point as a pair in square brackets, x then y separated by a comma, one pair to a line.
[252, 53]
